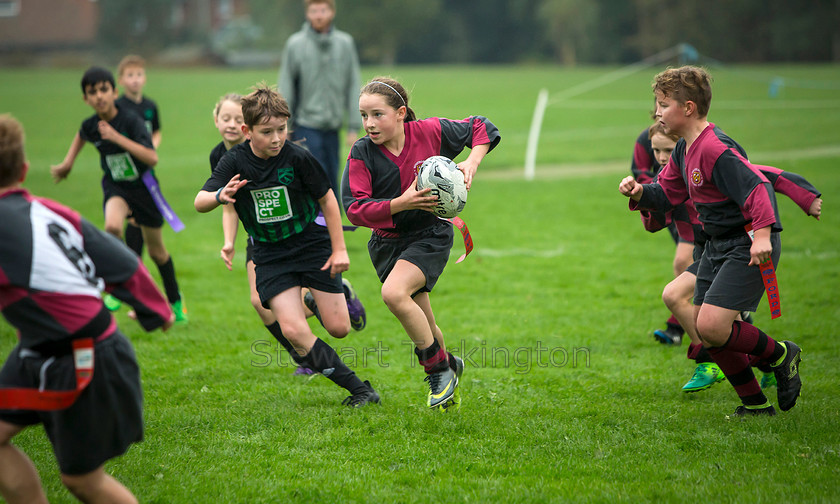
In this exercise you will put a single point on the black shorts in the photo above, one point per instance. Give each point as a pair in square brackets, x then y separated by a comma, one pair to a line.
[140, 202]
[723, 277]
[428, 250]
[675, 235]
[296, 261]
[696, 254]
[106, 418]
[249, 250]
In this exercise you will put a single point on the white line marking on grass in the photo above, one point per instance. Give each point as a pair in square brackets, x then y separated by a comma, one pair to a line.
[518, 252]
[572, 170]
[807, 254]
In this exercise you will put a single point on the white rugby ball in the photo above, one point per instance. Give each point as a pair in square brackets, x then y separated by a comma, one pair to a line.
[446, 181]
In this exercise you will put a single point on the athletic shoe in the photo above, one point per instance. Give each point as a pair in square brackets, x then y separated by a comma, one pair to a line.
[355, 308]
[743, 411]
[768, 380]
[457, 365]
[670, 336]
[304, 371]
[442, 387]
[180, 310]
[363, 398]
[705, 375]
[112, 303]
[788, 382]
[747, 317]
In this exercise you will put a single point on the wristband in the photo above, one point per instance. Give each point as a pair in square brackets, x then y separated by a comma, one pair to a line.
[218, 200]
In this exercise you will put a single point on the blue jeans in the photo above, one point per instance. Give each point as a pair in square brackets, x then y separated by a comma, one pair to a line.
[323, 144]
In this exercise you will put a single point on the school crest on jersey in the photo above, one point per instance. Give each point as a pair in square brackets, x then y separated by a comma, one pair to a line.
[286, 175]
[697, 177]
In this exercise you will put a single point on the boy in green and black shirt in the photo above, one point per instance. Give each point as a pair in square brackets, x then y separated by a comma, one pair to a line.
[277, 188]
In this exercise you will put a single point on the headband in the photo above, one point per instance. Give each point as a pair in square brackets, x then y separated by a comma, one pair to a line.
[392, 89]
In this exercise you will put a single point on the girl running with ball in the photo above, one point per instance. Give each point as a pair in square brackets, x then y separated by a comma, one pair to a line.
[409, 245]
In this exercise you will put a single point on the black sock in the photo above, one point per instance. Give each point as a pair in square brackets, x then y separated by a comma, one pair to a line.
[703, 356]
[134, 238]
[275, 331]
[323, 359]
[452, 364]
[170, 284]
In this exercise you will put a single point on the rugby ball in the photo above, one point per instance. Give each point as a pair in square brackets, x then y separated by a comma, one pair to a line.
[446, 181]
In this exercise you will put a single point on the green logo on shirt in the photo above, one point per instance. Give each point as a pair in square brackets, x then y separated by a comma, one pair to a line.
[122, 167]
[272, 204]
[286, 175]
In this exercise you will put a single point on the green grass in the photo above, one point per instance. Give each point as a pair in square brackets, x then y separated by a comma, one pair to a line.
[566, 396]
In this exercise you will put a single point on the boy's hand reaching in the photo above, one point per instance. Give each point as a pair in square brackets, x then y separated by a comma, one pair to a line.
[227, 192]
[227, 253]
[59, 172]
[816, 208]
[630, 188]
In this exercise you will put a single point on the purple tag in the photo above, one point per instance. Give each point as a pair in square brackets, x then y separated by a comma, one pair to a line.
[160, 202]
[321, 221]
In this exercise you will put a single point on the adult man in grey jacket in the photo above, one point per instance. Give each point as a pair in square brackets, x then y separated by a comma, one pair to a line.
[319, 77]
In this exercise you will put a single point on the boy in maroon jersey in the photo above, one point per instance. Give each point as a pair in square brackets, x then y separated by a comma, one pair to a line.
[729, 194]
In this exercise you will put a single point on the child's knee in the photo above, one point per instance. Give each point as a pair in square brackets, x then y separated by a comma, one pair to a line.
[712, 332]
[338, 329]
[82, 486]
[392, 297]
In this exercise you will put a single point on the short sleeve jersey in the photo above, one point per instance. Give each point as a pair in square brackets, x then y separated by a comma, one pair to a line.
[119, 166]
[146, 109]
[644, 165]
[216, 155]
[374, 176]
[281, 197]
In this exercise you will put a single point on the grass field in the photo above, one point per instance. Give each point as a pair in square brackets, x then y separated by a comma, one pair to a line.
[566, 396]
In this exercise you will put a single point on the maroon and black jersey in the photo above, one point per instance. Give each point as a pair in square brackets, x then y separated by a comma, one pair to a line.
[53, 267]
[374, 176]
[726, 189]
[644, 166]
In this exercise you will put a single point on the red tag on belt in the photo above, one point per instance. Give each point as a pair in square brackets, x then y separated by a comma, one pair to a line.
[771, 286]
[465, 232]
[51, 400]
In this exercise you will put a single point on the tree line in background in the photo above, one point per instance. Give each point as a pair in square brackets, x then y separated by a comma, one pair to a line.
[503, 31]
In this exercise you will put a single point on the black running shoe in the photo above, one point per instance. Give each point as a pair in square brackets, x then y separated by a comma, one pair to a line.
[788, 383]
[360, 399]
[670, 336]
[742, 411]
